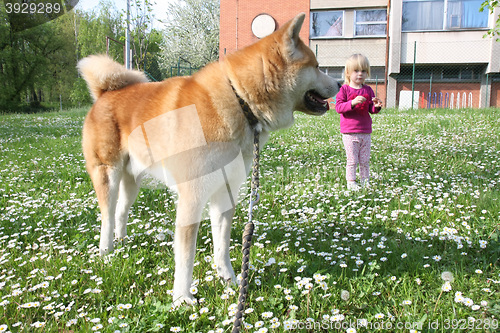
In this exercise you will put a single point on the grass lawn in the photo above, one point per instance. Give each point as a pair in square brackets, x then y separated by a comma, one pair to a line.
[417, 251]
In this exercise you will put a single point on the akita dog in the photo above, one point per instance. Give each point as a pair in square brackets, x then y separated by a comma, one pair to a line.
[192, 133]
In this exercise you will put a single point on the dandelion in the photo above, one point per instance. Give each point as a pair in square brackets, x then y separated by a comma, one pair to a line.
[407, 302]
[175, 329]
[437, 258]
[203, 310]
[379, 315]
[123, 325]
[478, 271]
[3, 328]
[193, 316]
[447, 276]
[344, 295]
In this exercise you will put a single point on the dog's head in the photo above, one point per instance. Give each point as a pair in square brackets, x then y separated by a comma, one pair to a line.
[280, 74]
[312, 86]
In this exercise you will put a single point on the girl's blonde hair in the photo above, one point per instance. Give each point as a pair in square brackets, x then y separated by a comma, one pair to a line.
[356, 62]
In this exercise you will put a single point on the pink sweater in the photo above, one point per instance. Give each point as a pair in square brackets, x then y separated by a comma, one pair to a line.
[357, 119]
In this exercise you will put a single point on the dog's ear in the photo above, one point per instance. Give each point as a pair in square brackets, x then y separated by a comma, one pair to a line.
[292, 33]
[295, 26]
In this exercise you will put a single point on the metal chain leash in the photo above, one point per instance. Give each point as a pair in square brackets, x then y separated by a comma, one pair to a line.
[247, 237]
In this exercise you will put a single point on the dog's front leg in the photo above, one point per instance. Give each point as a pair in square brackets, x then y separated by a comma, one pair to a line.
[221, 218]
[186, 231]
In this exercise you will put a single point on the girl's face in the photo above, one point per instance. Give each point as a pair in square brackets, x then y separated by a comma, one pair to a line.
[358, 77]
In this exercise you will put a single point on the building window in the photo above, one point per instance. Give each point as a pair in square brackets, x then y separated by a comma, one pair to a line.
[371, 22]
[326, 24]
[465, 14]
[425, 15]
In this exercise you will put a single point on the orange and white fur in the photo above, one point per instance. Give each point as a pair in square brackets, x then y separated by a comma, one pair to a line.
[191, 133]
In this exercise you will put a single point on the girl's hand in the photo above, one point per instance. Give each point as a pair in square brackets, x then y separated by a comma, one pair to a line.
[358, 100]
[377, 102]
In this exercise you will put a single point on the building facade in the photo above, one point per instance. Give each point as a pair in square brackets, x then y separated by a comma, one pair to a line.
[435, 48]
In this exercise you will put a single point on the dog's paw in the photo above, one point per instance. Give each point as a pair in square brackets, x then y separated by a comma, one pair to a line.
[185, 299]
[226, 274]
[105, 251]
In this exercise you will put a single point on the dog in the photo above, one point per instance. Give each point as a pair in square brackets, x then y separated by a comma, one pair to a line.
[195, 134]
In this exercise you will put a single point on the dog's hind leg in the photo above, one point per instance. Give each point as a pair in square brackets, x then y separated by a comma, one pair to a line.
[186, 231]
[106, 179]
[221, 217]
[127, 194]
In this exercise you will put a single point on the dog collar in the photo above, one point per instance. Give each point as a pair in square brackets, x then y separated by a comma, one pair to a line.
[247, 111]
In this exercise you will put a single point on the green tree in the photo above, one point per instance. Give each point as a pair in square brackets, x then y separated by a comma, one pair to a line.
[192, 33]
[141, 21]
[491, 5]
[92, 28]
[25, 57]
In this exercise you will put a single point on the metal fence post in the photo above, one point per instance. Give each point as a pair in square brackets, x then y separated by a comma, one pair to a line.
[413, 75]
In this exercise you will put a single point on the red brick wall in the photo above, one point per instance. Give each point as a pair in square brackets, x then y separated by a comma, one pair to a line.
[236, 18]
[444, 88]
[495, 94]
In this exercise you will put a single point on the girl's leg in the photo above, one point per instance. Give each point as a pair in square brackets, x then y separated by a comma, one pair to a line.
[364, 159]
[351, 145]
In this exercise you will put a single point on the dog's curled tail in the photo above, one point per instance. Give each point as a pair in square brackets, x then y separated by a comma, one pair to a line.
[103, 74]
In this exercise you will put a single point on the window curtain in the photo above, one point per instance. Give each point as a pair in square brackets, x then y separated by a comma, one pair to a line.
[466, 13]
[423, 15]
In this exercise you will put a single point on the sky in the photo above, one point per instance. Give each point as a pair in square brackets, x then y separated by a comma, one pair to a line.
[160, 8]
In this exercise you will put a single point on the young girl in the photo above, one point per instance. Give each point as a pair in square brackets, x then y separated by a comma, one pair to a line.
[354, 102]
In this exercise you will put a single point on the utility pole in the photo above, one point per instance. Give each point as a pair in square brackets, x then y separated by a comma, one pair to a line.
[128, 60]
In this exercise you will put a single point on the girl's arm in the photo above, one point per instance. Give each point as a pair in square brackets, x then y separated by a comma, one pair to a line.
[376, 103]
[342, 105]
